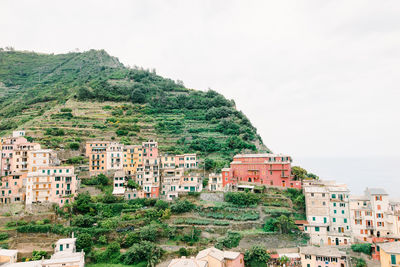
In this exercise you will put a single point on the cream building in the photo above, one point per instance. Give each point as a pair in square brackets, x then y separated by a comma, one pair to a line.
[374, 215]
[327, 210]
[215, 182]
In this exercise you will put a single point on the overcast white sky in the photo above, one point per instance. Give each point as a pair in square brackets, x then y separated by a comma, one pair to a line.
[317, 78]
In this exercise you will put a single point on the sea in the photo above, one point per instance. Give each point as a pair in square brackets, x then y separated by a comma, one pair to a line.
[357, 172]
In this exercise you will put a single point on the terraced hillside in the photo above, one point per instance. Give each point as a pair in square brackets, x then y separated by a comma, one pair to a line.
[69, 98]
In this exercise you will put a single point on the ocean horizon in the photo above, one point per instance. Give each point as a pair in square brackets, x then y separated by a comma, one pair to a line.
[357, 172]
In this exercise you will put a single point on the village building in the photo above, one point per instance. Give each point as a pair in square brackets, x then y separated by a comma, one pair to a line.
[215, 182]
[54, 184]
[148, 177]
[211, 257]
[8, 256]
[132, 157]
[260, 169]
[170, 182]
[390, 254]
[96, 151]
[114, 155]
[323, 256]
[327, 211]
[12, 188]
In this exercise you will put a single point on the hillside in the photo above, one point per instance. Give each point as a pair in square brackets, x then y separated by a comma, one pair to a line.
[68, 98]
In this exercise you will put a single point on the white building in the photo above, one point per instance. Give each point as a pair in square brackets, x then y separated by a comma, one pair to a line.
[114, 156]
[215, 182]
[327, 210]
[374, 215]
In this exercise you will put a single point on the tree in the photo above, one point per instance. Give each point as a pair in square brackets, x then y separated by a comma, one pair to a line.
[83, 202]
[270, 225]
[102, 179]
[132, 184]
[299, 173]
[138, 96]
[142, 252]
[285, 224]
[84, 241]
[209, 164]
[257, 256]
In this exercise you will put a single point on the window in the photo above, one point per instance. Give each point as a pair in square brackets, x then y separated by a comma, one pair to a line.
[313, 218]
[345, 220]
[316, 229]
[393, 259]
[333, 195]
[334, 219]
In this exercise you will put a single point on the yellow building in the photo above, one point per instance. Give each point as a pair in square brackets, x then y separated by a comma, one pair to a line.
[132, 158]
[390, 254]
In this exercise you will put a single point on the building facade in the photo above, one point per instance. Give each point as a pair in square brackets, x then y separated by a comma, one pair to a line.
[260, 169]
[327, 211]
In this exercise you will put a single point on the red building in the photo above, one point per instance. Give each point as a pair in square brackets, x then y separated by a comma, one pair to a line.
[260, 169]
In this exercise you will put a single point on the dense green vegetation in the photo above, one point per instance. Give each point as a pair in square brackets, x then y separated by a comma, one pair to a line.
[362, 247]
[52, 97]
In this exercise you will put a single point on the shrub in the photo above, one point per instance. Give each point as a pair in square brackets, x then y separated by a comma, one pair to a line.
[73, 146]
[256, 256]
[183, 252]
[242, 198]
[270, 225]
[363, 248]
[84, 241]
[231, 240]
[182, 206]
[140, 252]
[65, 110]
[3, 236]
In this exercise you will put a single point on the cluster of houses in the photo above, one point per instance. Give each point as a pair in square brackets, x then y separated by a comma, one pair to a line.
[335, 218]
[65, 254]
[157, 176]
[31, 174]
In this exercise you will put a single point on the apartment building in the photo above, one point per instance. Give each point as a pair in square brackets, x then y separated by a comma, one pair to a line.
[96, 151]
[187, 161]
[119, 183]
[114, 156]
[148, 176]
[328, 213]
[323, 256]
[12, 188]
[171, 178]
[14, 154]
[260, 169]
[132, 157]
[215, 182]
[190, 182]
[55, 184]
[150, 149]
[374, 215]
[41, 158]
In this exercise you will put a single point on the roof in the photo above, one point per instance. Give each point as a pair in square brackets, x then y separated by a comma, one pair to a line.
[375, 191]
[391, 247]
[261, 155]
[213, 252]
[8, 252]
[322, 251]
[119, 173]
[364, 198]
[25, 264]
[118, 191]
[231, 255]
[184, 262]
[66, 240]
[300, 222]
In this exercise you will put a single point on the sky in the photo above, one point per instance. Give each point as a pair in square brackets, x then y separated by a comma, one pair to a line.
[317, 78]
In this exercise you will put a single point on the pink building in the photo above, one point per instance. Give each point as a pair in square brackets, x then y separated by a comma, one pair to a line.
[260, 169]
[12, 188]
[8, 147]
[150, 149]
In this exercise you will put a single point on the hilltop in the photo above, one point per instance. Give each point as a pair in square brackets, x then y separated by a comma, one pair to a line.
[64, 99]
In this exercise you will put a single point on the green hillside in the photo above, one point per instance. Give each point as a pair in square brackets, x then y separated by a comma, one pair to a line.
[61, 100]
